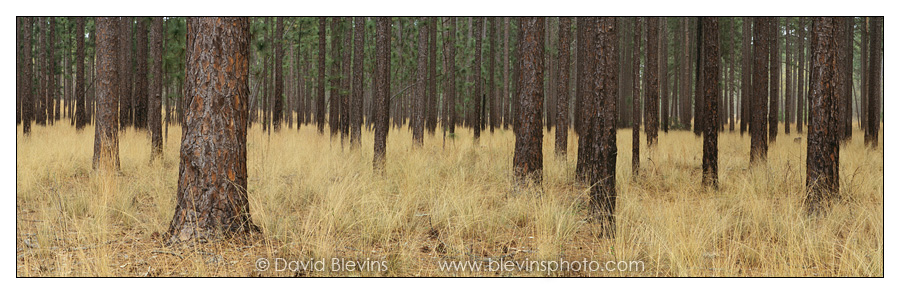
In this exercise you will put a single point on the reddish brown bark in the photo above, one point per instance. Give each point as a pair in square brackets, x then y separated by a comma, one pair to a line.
[106, 127]
[603, 190]
[212, 198]
[419, 112]
[382, 89]
[636, 103]
[528, 160]
[822, 149]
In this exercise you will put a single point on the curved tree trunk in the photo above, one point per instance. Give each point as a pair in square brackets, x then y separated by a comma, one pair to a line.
[212, 183]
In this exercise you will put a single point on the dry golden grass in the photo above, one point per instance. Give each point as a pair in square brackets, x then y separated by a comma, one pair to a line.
[447, 201]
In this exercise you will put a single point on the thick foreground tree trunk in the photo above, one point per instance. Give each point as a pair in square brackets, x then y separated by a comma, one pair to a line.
[758, 140]
[212, 183]
[528, 162]
[822, 149]
[154, 112]
[603, 190]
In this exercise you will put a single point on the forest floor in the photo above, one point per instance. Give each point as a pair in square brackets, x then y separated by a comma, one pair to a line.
[315, 200]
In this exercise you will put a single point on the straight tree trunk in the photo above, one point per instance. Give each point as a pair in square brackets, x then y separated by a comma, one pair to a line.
[451, 76]
[711, 94]
[636, 103]
[651, 102]
[419, 112]
[52, 114]
[431, 107]
[603, 190]
[489, 82]
[874, 80]
[686, 114]
[506, 97]
[587, 59]
[28, 96]
[382, 89]
[347, 37]
[477, 94]
[106, 128]
[19, 61]
[153, 113]
[320, 93]
[758, 142]
[802, 74]
[141, 82]
[774, 77]
[528, 159]
[698, 86]
[864, 74]
[334, 79]
[359, 44]
[278, 74]
[81, 118]
[664, 74]
[823, 150]
[562, 90]
[212, 195]
[125, 111]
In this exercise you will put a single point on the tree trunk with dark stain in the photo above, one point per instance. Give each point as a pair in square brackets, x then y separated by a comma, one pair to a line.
[562, 108]
[106, 128]
[356, 103]
[382, 89]
[874, 81]
[528, 160]
[758, 141]
[711, 94]
[212, 198]
[822, 148]
[154, 112]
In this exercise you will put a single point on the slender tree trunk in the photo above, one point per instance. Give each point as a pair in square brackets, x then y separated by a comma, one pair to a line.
[874, 80]
[28, 96]
[141, 83]
[651, 103]
[603, 190]
[698, 86]
[334, 80]
[382, 89]
[711, 94]
[528, 159]
[864, 74]
[823, 150]
[359, 44]
[802, 74]
[212, 195]
[664, 74]
[758, 143]
[320, 93]
[477, 94]
[562, 90]
[421, 86]
[489, 82]
[431, 102]
[452, 76]
[52, 114]
[587, 59]
[81, 118]
[19, 69]
[153, 113]
[636, 103]
[347, 37]
[106, 129]
[774, 77]
[278, 74]
[686, 114]
[506, 97]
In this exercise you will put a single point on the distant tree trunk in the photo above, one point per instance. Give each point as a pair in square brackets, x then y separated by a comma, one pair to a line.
[636, 103]
[334, 79]
[141, 83]
[28, 96]
[125, 111]
[788, 76]
[267, 36]
[106, 128]
[347, 37]
[651, 102]
[489, 82]
[698, 86]
[562, 108]
[874, 80]
[418, 121]
[451, 77]
[382, 89]
[52, 115]
[774, 76]
[603, 190]
[477, 94]
[686, 77]
[711, 94]
[863, 73]
[81, 118]
[732, 104]
[506, 97]
[801, 68]
[212, 185]
[528, 159]
[847, 76]
[320, 93]
[822, 161]
[153, 113]
[664, 74]
[431, 107]
[278, 74]
[758, 143]
[359, 44]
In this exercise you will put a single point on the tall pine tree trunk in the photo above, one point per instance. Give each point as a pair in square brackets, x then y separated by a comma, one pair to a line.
[382, 89]
[528, 159]
[106, 128]
[823, 150]
[711, 94]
